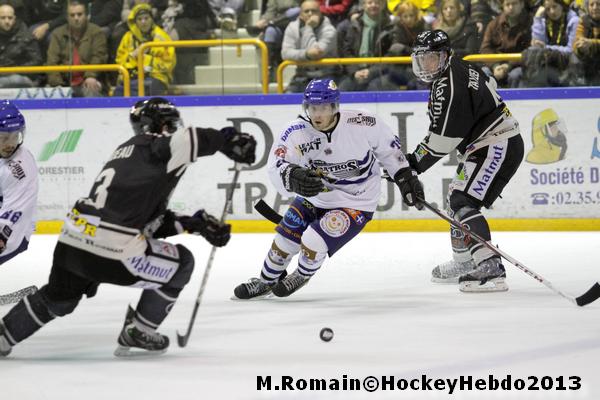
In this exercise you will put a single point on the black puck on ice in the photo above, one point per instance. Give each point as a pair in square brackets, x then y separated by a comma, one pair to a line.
[326, 334]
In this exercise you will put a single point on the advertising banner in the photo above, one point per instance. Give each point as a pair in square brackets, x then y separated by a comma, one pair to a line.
[559, 177]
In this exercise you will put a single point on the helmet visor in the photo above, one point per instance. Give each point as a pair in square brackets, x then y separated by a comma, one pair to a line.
[321, 115]
[429, 65]
[10, 141]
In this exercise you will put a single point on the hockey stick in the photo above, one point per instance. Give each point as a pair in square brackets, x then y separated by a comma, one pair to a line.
[266, 211]
[591, 295]
[16, 296]
[183, 339]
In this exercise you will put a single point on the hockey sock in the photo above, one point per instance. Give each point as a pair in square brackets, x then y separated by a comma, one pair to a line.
[312, 254]
[154, 306]
[460, 250]
[478, 224]
[26, 318]
[279, 257]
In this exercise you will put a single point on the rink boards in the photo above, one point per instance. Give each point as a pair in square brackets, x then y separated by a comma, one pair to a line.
[556, 188]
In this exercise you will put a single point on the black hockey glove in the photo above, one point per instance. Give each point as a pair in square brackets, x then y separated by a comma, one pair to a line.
[201, 223]
[303, 181]
[239, 146]
[410, 187]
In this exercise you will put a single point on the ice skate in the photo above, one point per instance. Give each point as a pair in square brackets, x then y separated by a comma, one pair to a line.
[489, 276]
[449, 271]
[5, 347]
[290, 284]
[135, 342]
[255, 289]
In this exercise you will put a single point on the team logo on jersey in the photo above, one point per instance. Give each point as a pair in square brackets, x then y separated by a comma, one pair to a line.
[280, 152]
[310, 146]
[343, 170]
[335, 223]
[16, 169]
[360, 119]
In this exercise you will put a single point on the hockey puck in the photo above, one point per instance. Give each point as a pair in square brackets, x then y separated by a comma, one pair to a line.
[326, 334]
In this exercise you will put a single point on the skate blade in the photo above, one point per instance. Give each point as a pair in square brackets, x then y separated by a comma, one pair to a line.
[447, 281]
[493, 285]
[133, 352]
[261, 297]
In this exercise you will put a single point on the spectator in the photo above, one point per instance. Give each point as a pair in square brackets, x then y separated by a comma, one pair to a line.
[335, 10]
[358, 38]
[310, 37]
[158, 61]
[189, 20]
[461, 31]
[17, 48]
[482, 13]
[587, 44]
[78, 42]
[272, 24]
[121, 28]
[546, 62]
[397, 41]
[43, 16]
[105, 14]
[507, 33]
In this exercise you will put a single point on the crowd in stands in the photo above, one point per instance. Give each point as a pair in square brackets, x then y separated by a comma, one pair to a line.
[559, 39]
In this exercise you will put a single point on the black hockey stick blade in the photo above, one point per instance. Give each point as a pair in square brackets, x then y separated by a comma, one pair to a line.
[590, 296]
[266, 211]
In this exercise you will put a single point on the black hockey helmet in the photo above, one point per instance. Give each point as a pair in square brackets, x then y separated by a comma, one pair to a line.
[431, 54]
[153, 116]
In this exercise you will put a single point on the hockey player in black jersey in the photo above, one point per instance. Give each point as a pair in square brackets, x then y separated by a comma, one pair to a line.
[112, 236]
[467, 114]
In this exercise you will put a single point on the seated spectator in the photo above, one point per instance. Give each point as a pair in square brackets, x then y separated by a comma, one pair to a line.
[507, 33]
[271, 25]
[78, 42]
[17, 48]
[397, 41]
[43, 16]
[227, 13]
[482, 13]
[310, 37]
[358, 38]
[546, 62]
[461, 31]
[587, 44]
[121, 27]
[335, 10]
[158, 61]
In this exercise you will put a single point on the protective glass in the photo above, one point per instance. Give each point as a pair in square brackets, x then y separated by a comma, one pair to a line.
[429, 65]
[9, 142]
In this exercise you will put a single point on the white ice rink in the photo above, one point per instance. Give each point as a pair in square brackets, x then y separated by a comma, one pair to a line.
[388, 319]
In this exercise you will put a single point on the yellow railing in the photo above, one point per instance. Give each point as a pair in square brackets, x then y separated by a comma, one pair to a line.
[384, 60]
[207, 43]
[73, 68]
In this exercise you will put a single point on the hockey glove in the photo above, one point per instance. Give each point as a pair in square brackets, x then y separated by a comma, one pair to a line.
[303, 181]
[5, 233]
[410, 187]
[239, 146]
[201, 223]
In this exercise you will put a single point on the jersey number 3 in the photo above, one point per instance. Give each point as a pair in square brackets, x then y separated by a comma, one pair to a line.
[100, 190]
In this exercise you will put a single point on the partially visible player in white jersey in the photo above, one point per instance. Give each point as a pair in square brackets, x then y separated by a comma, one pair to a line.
[330, 160]
[18, 184]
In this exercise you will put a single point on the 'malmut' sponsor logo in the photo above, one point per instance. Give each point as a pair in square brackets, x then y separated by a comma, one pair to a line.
[437, 102]
[483, 182]
[144, 266]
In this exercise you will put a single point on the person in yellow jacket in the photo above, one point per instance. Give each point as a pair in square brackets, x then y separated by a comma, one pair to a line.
[158, 61]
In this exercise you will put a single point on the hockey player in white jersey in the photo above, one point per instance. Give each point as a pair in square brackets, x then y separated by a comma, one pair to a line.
[18, 184]
[330, 160]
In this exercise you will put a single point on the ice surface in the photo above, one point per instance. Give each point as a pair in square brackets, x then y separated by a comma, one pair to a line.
[375, 294]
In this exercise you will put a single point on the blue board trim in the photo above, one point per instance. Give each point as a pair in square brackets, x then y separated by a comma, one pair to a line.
[282, 99]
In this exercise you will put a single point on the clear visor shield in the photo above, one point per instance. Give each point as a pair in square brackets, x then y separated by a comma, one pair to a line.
[173, 125]
[9, 142]
[429, 65]
[321, 115]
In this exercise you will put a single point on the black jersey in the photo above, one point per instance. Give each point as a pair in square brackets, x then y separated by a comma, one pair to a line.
[133, 189]
[463, 106]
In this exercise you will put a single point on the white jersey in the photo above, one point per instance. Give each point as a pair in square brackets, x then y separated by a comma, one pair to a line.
[19, 190]
[349, 158]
